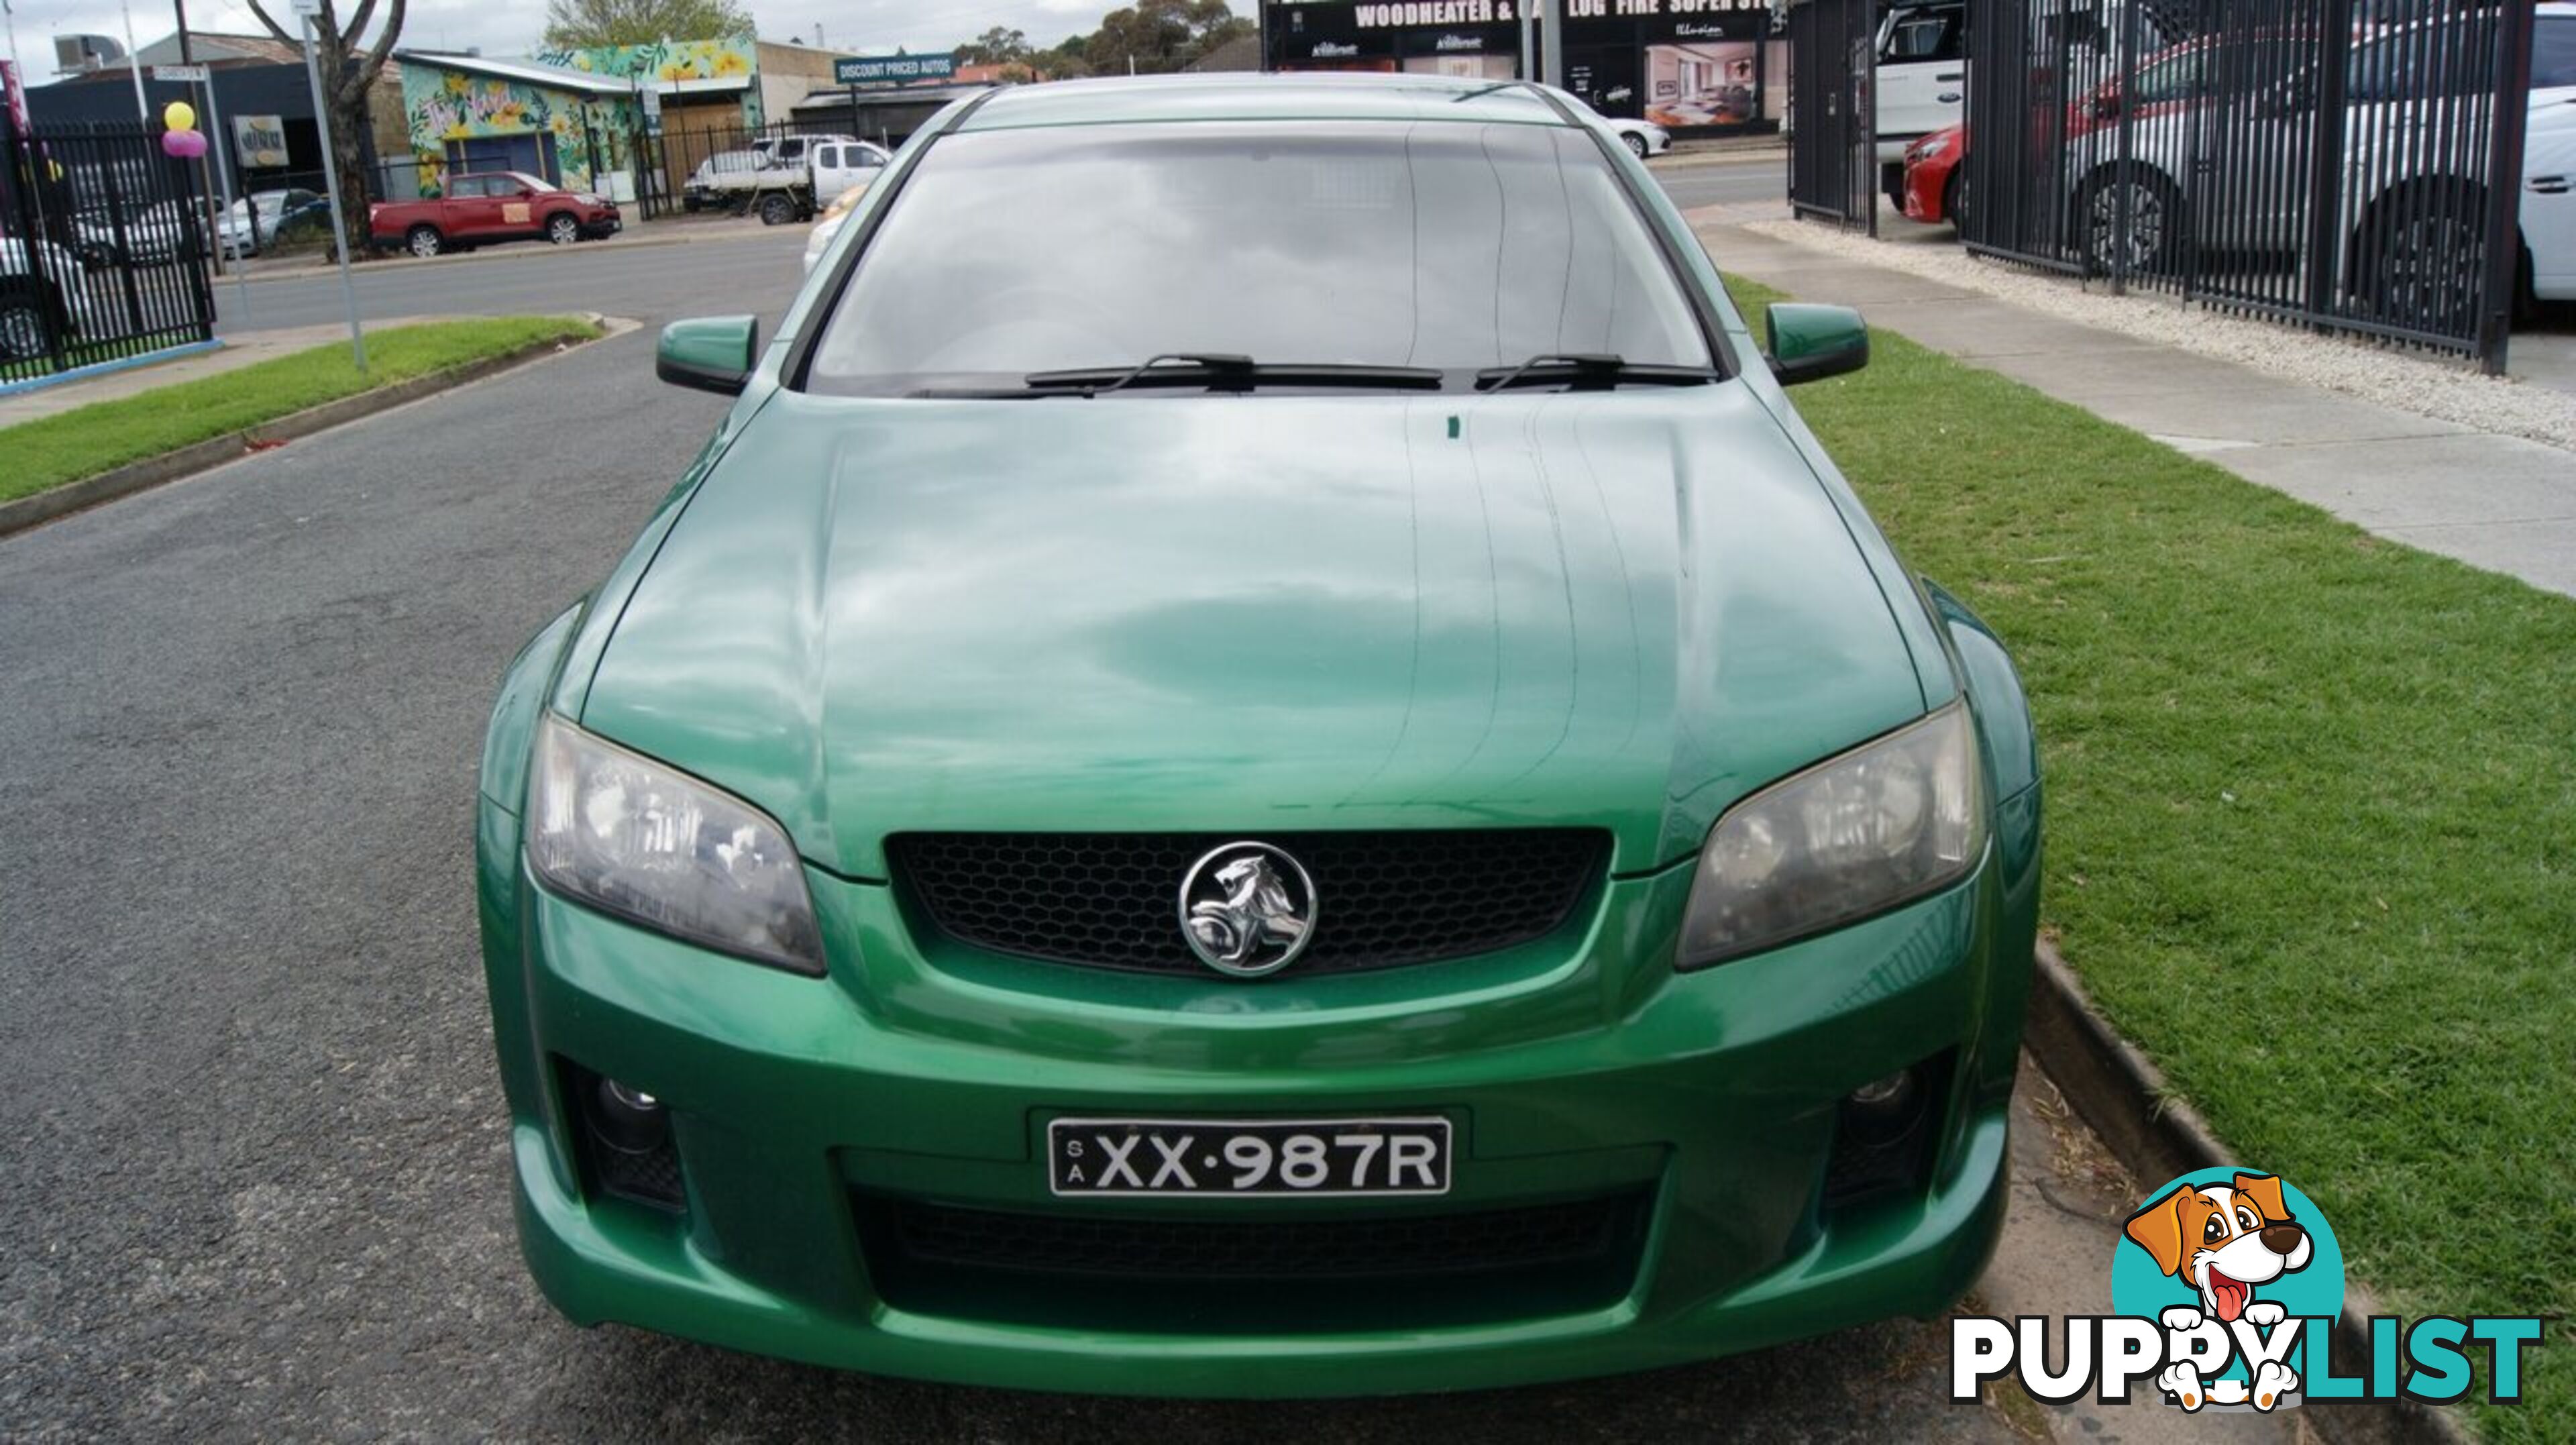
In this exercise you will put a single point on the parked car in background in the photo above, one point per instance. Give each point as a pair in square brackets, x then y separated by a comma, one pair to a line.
[281, 215]
[1935, 186]
[720, 178]
[1102, 838]
[2413, 227]
[1922, 76]
[39, 289]
[163, 231]
[2549, 196]
[1643, 138]
[496, 206]
[828, 225]
[783, 180]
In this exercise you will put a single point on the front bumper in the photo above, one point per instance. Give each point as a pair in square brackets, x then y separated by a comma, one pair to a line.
[1922, 191]
[1583, 1068]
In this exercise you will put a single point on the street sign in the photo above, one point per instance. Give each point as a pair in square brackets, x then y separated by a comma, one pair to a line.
[653, 111]
[191, 74]
[893, 69]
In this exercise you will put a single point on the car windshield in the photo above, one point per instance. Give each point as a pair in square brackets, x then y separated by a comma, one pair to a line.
[1450, 245]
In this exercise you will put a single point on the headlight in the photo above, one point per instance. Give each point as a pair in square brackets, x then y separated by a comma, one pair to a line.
[1883, 824]
[633, 838]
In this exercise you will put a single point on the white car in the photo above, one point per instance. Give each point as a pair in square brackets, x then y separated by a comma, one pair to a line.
[2426, 263]
[29, 300]
[160, 232]
[277, 209]
[1922, 73]
[1642, 138]
[828, 224]
[2549, 161]
[2549, 201]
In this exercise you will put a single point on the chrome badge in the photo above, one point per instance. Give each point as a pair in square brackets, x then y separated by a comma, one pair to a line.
[1248, 909]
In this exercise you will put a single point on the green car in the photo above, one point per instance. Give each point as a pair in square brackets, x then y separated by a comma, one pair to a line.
[1261, 760]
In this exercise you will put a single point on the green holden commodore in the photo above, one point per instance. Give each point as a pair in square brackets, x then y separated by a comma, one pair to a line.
[1261, 760]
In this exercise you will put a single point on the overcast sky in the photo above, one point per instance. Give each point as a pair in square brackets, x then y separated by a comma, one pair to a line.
[512, 28]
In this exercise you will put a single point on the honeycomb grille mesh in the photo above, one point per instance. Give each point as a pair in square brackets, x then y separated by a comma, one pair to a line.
[1383, 899]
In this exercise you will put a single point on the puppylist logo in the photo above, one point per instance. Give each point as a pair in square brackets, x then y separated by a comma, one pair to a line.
[2225, 1287]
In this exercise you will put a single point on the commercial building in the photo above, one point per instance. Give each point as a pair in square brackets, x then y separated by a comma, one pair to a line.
[1710, 67]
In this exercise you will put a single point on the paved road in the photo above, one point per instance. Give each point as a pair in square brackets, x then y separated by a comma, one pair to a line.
[250, 1132]
[1736, 179]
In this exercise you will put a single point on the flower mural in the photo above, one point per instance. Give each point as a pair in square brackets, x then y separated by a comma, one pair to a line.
[445, 106]
[587, 135]
[673, 61]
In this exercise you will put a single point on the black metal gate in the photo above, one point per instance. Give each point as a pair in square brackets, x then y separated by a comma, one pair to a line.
[1833, 172]
[2350, 164]
[103, 248]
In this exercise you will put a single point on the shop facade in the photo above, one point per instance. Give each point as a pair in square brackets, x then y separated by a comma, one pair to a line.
[1695, 67]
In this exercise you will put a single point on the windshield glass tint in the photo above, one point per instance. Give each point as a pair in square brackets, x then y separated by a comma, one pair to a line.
[1453, 245]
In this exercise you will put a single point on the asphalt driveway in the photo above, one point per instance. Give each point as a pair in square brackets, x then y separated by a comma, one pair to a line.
[249, 1124]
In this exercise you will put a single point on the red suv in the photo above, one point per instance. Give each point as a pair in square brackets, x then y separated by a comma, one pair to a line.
[496, 206]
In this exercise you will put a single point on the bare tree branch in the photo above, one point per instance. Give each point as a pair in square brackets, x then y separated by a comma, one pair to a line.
[273, 27]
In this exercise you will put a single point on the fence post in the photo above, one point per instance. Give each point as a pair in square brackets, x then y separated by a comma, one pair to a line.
[2503, 277]
[2124, 161]
[1865, 46]
[2325, 161]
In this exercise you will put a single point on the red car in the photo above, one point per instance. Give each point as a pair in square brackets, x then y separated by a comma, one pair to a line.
[494, 206]
[1935, 188]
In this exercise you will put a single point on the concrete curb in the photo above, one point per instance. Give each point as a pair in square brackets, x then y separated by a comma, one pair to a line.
[203, 456]
[2156, 1135]
[1693, 160]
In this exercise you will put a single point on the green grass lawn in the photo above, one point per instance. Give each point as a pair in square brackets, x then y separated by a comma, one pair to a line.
[2311, 820]
[85, 441]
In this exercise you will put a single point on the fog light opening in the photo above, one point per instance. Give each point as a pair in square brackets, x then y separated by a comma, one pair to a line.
[1884, 1133]
[626, 1140]
[629, 1120]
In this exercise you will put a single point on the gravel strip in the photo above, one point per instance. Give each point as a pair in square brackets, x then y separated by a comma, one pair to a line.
[2373, 373]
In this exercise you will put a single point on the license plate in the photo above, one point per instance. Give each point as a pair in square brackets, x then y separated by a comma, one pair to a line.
[1248, 1158]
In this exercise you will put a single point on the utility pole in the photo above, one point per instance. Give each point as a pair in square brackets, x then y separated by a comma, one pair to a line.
[1551, 41]
[134, 67]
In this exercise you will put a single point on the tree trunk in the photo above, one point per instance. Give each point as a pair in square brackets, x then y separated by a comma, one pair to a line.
[345, 79]
[357, 187]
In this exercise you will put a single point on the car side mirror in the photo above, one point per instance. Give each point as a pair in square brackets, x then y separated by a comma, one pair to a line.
[709, 353]
[1810, 343]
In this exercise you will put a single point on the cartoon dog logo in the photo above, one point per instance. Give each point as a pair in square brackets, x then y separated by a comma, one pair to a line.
[2221, 1240]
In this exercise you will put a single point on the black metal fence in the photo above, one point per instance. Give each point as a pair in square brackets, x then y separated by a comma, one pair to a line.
[105, 248]
[1833, 174]
[698, 169]
[2350, 164]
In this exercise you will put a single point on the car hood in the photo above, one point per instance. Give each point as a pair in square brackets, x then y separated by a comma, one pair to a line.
[1254, 614]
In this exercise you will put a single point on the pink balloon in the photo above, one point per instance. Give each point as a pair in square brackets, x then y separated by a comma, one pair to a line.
[184, 145]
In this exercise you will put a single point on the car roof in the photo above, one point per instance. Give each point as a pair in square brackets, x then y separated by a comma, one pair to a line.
[1256, 96]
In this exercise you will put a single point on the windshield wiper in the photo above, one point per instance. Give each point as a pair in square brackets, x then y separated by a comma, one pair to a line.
[1224, 372]
[1588, 371]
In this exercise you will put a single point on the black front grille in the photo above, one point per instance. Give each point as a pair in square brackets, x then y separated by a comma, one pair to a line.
[1395, 1246]
[1383, 899]
[1414, 1266]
